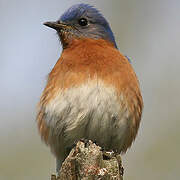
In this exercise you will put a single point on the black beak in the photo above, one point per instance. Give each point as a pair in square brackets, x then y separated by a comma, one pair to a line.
[57, 25]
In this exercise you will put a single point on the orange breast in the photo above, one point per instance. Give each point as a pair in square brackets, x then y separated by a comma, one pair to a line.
[95, 60]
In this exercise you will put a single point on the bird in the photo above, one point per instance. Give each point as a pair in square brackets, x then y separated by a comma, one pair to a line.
[92, 91]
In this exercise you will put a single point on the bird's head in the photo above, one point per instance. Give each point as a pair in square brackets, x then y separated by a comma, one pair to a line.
[82, 21]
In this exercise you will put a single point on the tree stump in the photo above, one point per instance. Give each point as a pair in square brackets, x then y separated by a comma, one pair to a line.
[87, 161]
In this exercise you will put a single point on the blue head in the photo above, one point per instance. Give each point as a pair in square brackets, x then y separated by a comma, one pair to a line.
[82, 21]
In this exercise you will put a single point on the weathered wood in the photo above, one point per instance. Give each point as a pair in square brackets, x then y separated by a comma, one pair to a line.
[87, 161]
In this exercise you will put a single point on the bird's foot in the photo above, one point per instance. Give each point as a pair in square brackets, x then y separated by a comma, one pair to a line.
[108, 154]
[85, 141]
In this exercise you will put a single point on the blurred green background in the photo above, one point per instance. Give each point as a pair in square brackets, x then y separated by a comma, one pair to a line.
[146, 31]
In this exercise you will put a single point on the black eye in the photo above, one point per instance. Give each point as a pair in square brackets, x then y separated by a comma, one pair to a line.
[83, 22]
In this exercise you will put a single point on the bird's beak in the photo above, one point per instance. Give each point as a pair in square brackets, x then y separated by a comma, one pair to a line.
[57, 25]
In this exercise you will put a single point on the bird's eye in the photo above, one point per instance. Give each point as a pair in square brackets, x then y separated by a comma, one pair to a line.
[83, 22]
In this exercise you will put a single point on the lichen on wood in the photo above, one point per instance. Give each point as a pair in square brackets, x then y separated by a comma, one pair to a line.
[87, 161]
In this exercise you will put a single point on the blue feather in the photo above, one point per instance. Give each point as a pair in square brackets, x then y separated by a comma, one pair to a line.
[101, 28]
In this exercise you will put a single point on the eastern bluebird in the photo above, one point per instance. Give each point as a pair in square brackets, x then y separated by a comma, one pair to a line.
[92, 92]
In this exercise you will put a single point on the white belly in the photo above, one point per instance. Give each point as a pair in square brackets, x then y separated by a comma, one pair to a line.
[92, 111]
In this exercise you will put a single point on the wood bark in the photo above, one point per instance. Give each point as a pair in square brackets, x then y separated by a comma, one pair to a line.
[87, 161]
